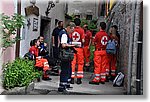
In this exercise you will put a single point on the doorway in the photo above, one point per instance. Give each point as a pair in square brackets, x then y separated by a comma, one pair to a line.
[45, 29]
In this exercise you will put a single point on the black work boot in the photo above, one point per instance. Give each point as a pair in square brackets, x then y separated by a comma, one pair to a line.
[107, 79]
[112, 78]
[79, 81]
[72, 81]
[102, 82]
[46, 78]
[69, 87]
[94, 83]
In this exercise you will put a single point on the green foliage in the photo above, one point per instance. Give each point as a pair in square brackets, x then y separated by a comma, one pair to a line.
[92, 49]
[20, 72]
[8, 27]
[92, 24]
[83, 22]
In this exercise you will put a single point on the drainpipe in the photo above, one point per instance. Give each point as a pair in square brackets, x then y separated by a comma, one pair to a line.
[18, 30]
[139, 60]
[139, 57]
[129, 76]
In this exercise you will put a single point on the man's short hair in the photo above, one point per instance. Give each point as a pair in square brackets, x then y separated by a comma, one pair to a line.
[77, 21]
[59, 22]
[86, 26]
[103, 25]
[71, 25]
[115, 26]
[40, 36]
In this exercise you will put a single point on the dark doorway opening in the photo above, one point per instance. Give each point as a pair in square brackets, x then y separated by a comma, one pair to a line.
[45, 31]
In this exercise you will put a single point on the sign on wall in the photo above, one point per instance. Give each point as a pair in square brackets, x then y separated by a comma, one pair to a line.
[35, 24]
[32, 10]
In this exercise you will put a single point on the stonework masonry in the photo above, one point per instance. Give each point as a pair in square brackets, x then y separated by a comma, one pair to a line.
[127, 18]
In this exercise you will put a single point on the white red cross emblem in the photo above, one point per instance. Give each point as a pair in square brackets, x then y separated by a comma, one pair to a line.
[104, 40]
[75, 36]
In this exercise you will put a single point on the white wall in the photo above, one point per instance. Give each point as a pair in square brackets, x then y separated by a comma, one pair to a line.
[55, 13]
[28, 34]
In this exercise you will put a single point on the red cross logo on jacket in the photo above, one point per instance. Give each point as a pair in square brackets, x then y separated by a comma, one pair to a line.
[104, 40]
[75, 36]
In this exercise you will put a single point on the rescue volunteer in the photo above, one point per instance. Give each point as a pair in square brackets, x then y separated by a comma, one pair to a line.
[40, 62]
[100, 55]
[112, 58]
[86, 48]
[65, 75]
[78, 37]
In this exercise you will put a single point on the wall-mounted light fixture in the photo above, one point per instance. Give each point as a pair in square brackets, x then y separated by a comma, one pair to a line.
[33, 2]
[50, 5]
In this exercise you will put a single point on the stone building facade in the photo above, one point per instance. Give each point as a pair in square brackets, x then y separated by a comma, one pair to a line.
[83, 8]
[44, 23]
[127, 15]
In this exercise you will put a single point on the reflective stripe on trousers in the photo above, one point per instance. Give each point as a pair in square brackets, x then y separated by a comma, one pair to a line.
[96, 78]
[103, 77]
[79, 74]
[79, 60]
[100, 61]
[113, 72]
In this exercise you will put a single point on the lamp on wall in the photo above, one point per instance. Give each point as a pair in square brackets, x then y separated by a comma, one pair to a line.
[33, 2]
[50, 5]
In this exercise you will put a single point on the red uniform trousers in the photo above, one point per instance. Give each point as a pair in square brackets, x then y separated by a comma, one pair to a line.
[86, 52]
[100, 61]
[107, 65]
[111, 64]
[43, 63]
[79, 60]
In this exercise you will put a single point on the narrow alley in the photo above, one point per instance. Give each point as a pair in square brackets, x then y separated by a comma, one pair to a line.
[34, 42]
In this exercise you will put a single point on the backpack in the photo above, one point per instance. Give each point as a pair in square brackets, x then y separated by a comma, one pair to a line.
[118, 81]
[111, 47]
[29, 56]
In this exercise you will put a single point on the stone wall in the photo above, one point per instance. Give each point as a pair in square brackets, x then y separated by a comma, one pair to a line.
[126, 17]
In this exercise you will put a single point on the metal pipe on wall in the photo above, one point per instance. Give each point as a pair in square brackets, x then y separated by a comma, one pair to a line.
[139, 55]
[18, 30]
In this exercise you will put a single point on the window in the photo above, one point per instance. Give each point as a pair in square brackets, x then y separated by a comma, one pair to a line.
[89, 17]
[35, 24]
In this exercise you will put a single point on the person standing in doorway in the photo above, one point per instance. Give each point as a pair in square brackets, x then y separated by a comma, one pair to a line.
[55, 40]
